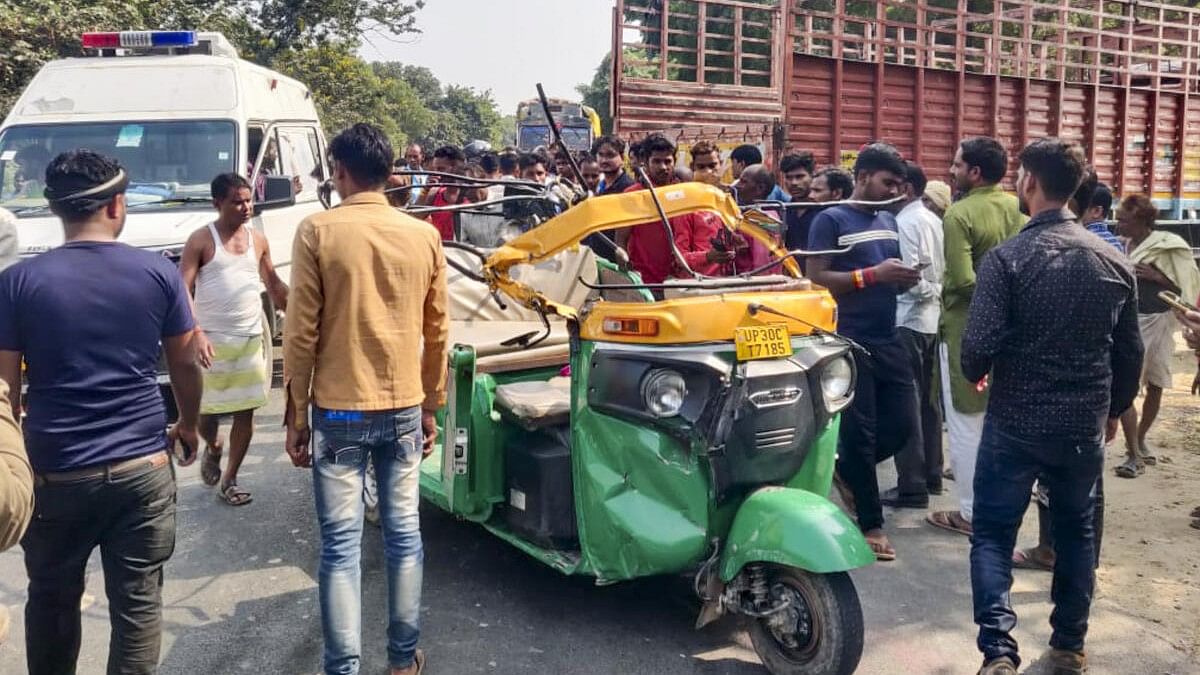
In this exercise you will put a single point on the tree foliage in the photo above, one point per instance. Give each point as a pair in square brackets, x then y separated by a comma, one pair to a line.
[314, 41]
[596, 94]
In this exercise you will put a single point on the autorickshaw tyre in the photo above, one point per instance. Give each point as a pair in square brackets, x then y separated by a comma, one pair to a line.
[821, 631]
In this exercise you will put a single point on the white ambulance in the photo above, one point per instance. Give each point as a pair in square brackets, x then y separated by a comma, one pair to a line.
[176, 108]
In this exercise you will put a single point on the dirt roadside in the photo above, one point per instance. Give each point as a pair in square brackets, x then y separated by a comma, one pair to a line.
[1150, 565]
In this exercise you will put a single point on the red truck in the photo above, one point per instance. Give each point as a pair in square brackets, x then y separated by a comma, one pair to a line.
[829, 76]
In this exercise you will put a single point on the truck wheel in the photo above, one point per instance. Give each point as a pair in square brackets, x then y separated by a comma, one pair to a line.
[821, 630]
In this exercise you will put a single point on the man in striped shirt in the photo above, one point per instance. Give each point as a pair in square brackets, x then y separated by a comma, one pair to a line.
[865, 281]
[1095, 216]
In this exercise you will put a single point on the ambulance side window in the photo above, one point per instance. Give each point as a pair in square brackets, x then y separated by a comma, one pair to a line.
[299, 153]
[254, 140]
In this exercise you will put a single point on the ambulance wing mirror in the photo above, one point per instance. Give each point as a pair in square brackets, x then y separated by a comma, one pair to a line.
[278, 192]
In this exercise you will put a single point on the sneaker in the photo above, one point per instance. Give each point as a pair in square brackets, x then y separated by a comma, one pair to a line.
[1000, 666]
[1066, 662]
[894, 499]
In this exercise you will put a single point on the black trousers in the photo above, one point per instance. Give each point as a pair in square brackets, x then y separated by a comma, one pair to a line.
[131, 517]
[881, 423]
[927, 463]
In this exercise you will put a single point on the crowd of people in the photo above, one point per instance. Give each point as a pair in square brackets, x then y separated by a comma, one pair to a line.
[924, 291]
[1019, 323]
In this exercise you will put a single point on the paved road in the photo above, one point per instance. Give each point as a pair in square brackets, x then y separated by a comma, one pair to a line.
[241, 597]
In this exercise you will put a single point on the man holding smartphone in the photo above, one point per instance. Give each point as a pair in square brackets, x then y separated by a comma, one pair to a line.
[1190, 318]
[865, 281]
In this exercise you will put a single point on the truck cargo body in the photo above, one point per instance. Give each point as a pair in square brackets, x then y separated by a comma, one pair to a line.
[831, 75]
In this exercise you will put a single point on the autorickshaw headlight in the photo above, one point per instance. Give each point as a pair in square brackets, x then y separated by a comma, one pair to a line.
[837, 381]
[664, 391]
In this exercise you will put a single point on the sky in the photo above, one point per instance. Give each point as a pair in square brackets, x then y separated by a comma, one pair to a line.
[506, 46]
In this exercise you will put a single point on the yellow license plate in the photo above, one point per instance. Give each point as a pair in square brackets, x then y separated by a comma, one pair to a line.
[771, 341]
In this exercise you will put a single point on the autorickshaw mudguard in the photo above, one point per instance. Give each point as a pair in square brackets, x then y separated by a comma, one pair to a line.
[793, 527]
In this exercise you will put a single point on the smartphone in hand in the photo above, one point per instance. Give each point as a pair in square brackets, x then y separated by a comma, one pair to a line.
[1175, 301]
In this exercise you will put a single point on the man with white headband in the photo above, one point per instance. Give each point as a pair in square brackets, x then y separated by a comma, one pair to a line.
[90, 319]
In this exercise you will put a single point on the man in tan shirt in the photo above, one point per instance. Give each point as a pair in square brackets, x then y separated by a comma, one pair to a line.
[365, 353]
[16, 487]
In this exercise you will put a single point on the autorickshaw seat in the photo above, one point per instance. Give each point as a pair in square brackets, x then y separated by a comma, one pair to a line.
[536, 405]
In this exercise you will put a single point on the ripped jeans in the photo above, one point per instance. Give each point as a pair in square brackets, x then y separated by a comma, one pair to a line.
[343, 443]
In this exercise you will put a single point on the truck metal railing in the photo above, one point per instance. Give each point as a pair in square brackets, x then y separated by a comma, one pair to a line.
[1151, 45]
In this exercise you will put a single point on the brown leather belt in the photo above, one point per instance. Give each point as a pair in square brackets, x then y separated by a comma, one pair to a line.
[152, 461]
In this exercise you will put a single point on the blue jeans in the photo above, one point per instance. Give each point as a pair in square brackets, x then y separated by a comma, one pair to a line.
[343, 443]
[1004, 475]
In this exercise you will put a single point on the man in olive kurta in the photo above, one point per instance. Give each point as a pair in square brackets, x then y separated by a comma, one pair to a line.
[974, 225]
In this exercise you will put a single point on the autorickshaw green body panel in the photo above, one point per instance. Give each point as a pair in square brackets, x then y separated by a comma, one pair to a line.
[817, 473]
[793, 527]
[641, 495]
[474, 494]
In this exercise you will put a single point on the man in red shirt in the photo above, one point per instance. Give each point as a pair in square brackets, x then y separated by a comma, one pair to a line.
[647, 244]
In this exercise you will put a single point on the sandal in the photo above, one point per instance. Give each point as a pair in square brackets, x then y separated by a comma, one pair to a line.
[1025, 559]
[234, 495]
[883, 552]
[210, 465]
[1132, 468]
[1148, 455]
[951, 521]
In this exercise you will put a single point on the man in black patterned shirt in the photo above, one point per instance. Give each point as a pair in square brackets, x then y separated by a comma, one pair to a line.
[1054, 320]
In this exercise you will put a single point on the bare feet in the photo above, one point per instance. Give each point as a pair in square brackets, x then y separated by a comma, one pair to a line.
[1036, 558]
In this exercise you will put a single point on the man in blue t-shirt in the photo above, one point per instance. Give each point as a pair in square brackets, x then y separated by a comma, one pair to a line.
[882, 421]
[90, 319]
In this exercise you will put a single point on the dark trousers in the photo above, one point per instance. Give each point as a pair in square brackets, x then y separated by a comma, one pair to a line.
[881, 423]
[923, 466]
[131, 517]
[1046, 524]
[1004, 475]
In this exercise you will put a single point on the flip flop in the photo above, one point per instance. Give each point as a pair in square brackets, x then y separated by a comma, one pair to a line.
[1023, 559]
[883, 553]
[210, 466]
[949, 521]
[234, 495]
[1130, 469]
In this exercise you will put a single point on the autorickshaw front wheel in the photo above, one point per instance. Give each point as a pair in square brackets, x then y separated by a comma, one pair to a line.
[819, 632]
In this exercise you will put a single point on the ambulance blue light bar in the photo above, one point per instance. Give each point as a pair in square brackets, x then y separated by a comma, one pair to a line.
[132, 39]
